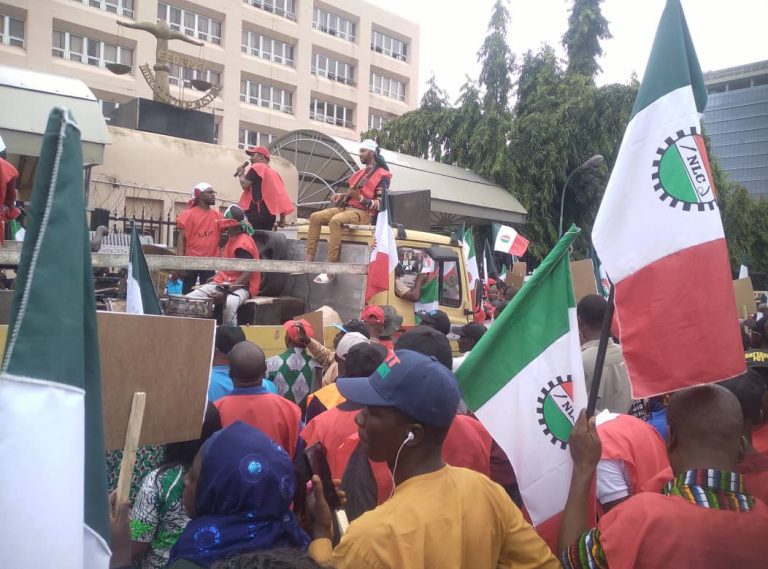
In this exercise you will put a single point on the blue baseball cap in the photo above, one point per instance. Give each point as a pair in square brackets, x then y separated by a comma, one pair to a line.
[418, 385]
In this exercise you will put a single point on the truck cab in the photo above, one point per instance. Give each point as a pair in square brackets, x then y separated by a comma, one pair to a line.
[285, 295]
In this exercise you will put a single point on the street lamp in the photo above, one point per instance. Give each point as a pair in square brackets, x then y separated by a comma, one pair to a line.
[593, 162]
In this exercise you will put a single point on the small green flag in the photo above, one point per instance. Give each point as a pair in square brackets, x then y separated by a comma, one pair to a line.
[141, 297]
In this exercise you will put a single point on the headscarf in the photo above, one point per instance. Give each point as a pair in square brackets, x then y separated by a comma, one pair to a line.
[372, 145]
[199, 189]
[243, 499]
[233, 217]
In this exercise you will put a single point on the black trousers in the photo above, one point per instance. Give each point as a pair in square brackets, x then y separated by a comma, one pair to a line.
[259, 217]
[191, 277]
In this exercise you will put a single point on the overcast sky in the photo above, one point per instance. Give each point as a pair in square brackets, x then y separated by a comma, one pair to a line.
[725, 33]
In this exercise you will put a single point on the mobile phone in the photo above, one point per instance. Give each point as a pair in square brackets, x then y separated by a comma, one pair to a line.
[318, 461]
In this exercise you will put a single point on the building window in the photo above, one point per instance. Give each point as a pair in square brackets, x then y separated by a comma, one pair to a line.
[120, 7]
[192, 24]
[333, 69]
[11, 31]
[331, 113]
[250, 137]
[108, 109]
[266, 96]
[387, 86]
[89, 51]
[285, 8]
[331, 24]
[377, 121]
[388, 45]
[178, 72]
[216, 126]
[267, 48]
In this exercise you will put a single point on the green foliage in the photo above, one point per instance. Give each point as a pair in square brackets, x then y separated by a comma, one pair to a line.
[498, 61]
[586, 27]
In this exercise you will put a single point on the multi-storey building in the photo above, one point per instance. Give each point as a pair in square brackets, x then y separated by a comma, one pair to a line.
[339, 66]
[736, 119]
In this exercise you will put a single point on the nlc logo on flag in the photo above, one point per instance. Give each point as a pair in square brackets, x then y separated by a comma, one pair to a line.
[681, 172]
[556, 410]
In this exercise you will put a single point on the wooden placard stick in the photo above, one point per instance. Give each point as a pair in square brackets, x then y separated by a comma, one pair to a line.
[131, 445]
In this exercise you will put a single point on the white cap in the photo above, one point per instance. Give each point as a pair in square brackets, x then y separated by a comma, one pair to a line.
[201, 187]
[369, 144]
[347, 341]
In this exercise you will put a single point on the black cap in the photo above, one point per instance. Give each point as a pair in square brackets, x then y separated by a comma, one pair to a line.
[228, 336]
[356, 325]
[472, 330]
[429, 342]
[436, 319]
[363, 359]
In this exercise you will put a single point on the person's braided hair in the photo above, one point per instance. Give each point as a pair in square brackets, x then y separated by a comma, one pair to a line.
[283, 558]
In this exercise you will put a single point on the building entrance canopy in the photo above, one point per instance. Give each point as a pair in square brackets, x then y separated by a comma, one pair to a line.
[325, 164]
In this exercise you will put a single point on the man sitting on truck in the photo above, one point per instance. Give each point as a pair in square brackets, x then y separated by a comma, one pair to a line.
[356, 207]
[232, 288]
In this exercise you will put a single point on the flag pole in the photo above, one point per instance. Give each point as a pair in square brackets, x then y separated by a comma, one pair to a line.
[605, 333]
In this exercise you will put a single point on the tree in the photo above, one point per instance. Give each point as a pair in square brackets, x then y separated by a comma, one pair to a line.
[498, 61]
[559, 119]
[586, 27]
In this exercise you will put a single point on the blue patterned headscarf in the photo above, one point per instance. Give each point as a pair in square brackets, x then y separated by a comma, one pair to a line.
[243, 496]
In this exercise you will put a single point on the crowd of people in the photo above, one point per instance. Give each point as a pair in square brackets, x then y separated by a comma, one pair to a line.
[680, 480]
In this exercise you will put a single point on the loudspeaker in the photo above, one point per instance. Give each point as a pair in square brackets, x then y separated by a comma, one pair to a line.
[411, 209]
[99, 216]
[161, 118]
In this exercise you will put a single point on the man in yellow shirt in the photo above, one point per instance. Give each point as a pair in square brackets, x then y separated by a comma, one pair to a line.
[439, 516]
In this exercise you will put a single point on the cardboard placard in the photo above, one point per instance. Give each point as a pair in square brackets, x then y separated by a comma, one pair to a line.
[516, 277]
[166, 357]
[583, 276]
[315, 319]
[745, 297]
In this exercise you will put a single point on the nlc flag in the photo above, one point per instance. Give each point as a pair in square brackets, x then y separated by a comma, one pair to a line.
[383, 254]
[659, 235]
[53, 502]
[525, 381]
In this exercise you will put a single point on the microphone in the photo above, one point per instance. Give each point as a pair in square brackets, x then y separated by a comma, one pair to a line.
[237, 172]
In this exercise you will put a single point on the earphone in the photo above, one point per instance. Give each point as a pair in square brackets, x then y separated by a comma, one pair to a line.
[407, 439]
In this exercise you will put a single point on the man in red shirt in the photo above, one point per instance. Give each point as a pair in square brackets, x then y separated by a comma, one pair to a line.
[199, 232]
[705, 517]
[264, 196]
[357, 206]
[231, 288]
[251, 403]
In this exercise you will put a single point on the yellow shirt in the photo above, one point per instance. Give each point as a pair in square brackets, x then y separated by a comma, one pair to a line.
[449, 519]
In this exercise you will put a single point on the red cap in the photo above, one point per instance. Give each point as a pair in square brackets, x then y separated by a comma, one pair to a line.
[292, 331]
[250, 151]
[373, 312]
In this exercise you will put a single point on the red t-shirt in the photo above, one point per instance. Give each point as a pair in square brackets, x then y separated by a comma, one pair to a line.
[273, 415]
[202, 230]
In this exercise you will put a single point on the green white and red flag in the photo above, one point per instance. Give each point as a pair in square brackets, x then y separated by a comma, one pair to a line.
[525, 382]
[659, 234]
[510, 241]
[383, 254]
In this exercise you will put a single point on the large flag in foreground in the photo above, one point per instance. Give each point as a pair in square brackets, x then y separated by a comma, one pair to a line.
[54, 491]
[659, 235]
[383, 254]
[141, 297]
[525, 381]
